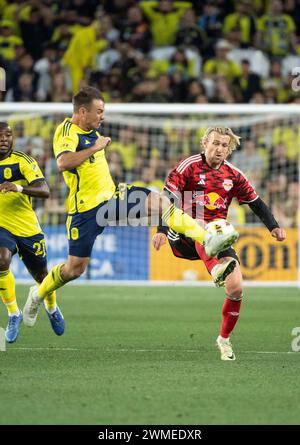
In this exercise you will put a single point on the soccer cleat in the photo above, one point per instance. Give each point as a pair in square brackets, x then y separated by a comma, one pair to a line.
[225, 348]
[13, 327]
[213, 244]
[57, 321]
[221, 271]
[30, 310]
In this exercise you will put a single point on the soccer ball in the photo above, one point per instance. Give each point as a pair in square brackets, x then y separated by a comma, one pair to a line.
[219, 227]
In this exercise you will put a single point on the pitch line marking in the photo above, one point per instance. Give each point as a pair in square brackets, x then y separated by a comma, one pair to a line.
[142, 350]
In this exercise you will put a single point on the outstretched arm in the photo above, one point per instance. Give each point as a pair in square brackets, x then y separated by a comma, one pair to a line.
[38, 189]
[260, 209]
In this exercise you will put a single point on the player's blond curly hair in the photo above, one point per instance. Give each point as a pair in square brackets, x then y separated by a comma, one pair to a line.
[225, 131]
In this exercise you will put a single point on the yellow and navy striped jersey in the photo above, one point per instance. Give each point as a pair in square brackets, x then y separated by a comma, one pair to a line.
[90, 183]
[16, 212]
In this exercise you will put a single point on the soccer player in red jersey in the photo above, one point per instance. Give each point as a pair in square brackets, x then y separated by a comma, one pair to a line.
[204, 185]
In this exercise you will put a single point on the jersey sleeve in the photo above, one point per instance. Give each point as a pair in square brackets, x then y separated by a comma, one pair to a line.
[64, 142]
[243, 190]
[31, 170]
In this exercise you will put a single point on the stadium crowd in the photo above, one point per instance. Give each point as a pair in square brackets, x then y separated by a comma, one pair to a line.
[151, 51]
[217, 51]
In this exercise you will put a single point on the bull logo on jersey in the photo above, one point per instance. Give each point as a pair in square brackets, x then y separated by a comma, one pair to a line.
[7, 173]
[212, 201]
[227, 184]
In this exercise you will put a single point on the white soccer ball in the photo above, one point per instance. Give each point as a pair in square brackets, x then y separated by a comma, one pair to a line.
[219, 227]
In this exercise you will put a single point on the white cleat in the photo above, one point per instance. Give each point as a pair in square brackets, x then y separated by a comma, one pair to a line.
[225, 348]
[31, 307]
[214, 244]
[221, 271]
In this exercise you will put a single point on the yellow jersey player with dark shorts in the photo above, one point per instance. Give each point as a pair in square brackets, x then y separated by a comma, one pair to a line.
[94, 200]
[20, 231]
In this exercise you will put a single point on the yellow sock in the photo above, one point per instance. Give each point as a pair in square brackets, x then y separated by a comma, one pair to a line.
[50, 301]
[51, 282]
[183, 223]
[8, 291]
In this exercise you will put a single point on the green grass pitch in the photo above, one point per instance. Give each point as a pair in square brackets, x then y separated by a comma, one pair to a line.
[142, 355]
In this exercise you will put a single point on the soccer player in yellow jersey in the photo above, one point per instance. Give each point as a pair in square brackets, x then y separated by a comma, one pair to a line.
[94, 201]
[20, 231]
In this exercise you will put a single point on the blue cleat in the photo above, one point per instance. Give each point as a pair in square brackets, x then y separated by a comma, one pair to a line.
[57, 321]
[13, 327]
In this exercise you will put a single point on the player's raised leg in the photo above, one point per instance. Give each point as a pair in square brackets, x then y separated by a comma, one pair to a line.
[219, 270]
[230, 311]
[8, 296]
[182, 223]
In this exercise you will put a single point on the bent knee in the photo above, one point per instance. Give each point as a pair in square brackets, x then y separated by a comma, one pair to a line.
[235, 294]
[71, 273]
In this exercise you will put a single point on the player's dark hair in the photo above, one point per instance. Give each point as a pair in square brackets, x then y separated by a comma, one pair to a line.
[85, 97]
[4, 124]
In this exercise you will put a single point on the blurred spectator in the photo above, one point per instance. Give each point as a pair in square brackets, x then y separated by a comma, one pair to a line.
[179, 63]
[277, 81]
[58, 91]
[82, 51]
[135, 30]
[243, 20]
[247, 84]
[277, 189]
[148, 179]
[108, 29]
[24, 91]
[44, 68]
[276, 31]
[249, 160]
[125, 146]
[178, 87]
[162, 92]
[21, 65]
[189, 34]
[270, 91]
[194, 89]
[223, 92]
[279, 163]
[164, 17]
[211, 22]
[221, 65]
[287, 212]
[35, 30]
[258, 98]
[8, 40]
[116, 167]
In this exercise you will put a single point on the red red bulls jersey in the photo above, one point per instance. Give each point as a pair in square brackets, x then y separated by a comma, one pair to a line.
[206, 193]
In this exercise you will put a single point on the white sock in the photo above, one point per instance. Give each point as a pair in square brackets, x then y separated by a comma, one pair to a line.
[50, 311]
[222, 339]
[12, 314]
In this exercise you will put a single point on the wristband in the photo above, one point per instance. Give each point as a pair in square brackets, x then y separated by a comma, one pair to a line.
[19, 188]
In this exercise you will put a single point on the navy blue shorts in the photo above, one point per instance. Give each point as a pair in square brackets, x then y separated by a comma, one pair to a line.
[83, 228]
[31, 249]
